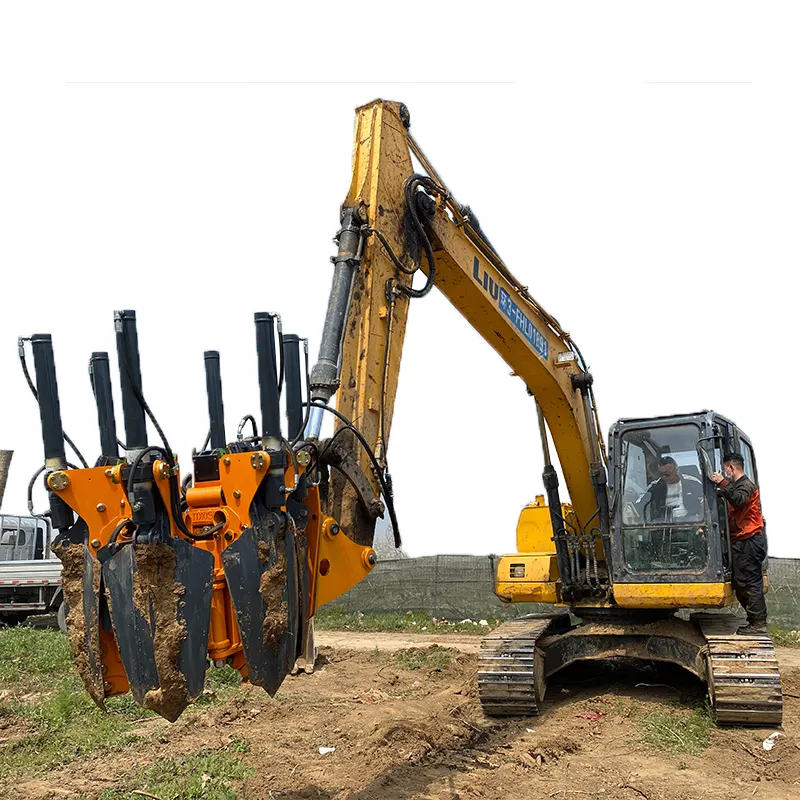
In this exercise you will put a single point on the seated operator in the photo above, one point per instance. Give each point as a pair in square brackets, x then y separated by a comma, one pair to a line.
[672, 497]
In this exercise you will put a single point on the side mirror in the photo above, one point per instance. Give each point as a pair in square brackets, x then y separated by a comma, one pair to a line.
[705, 462]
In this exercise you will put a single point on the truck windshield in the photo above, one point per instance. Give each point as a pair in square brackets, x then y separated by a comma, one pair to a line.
[663, 500]
[22, 538]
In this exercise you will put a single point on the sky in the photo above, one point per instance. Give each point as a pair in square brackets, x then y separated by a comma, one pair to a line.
[635, 164]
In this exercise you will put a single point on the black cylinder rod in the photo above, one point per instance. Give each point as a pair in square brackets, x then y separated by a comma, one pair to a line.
[106, 421]
[49, 406]
[294, 389]
[216, 411]
[268, 380]
[325, 375]
[130, 377]
[55, 458]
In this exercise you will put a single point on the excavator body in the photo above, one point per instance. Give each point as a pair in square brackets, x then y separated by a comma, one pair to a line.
[660, 564]
[162, 577]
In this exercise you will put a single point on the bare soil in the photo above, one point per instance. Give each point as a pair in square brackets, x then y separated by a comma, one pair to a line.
[404, 733]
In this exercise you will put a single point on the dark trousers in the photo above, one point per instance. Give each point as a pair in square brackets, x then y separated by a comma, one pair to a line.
[748, 580]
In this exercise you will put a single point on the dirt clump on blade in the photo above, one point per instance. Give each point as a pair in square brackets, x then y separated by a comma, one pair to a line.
[83, 634]
[156, 595]
[273, 582]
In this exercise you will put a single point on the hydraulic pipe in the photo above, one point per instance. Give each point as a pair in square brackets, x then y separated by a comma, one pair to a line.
[294, 389]
[550, 481]
[597, 468]
[216, 410]
[101, 383]
[50, 414]
[268, 381]
[130, 376]
[325, 375]
[49, 405]
[543, 435]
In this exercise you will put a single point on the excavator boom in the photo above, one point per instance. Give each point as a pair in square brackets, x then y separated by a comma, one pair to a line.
[397, 222]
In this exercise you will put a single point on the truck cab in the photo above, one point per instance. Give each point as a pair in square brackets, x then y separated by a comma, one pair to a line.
[30, 575]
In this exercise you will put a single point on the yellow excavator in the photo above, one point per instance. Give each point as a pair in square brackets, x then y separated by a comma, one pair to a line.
[165, 576]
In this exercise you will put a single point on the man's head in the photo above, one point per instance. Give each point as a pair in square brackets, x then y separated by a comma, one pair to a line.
[668, 469]
[733, 466]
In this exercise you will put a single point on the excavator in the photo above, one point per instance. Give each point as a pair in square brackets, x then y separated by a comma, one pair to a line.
[167, 574]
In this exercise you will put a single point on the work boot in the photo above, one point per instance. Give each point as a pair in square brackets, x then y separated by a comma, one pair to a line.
[753, 629]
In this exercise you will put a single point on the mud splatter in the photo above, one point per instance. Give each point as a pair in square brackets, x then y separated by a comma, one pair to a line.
[273, 582]
[156, 594]
[83, 634]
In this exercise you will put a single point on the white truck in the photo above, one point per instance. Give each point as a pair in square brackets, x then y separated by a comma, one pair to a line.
[30, 575]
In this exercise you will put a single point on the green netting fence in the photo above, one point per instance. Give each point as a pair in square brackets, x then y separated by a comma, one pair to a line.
[460, 587]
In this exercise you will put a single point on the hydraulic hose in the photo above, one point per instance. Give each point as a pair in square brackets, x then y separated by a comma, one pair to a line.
[379, 471]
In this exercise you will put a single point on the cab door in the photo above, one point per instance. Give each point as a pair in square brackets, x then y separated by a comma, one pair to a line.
[745, 449]
[724, 438]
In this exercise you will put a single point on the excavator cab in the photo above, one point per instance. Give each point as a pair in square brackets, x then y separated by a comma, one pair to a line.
[669, 528]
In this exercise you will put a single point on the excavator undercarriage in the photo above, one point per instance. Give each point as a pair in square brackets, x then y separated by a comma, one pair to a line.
[517, 659]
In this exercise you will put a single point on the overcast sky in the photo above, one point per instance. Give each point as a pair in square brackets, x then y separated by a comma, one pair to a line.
[635, 164]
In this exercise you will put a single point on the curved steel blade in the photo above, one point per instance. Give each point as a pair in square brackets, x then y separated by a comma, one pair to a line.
[160, 597]
[261, 571]
[80, 583]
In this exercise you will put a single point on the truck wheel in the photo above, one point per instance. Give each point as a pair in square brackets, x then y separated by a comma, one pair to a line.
[62, 617]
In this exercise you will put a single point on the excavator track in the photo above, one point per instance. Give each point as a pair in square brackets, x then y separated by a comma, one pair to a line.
[744, 683]
[510, 675]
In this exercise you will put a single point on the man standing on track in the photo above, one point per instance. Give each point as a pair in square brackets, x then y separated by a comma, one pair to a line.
[748, 545]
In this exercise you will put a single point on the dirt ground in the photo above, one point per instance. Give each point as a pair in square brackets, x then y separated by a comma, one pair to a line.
[403, 733]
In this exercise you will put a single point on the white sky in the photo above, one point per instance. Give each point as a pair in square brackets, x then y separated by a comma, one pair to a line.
[189, 160]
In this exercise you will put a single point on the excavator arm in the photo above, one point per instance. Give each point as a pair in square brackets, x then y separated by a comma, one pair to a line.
[396, 222]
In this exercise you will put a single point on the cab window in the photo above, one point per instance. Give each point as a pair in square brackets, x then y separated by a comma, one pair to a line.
[747, 455]
[663, 500]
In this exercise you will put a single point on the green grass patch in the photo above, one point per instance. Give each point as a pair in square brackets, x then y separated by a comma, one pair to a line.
[784, 638]
[337, 619]
[66, 726]
[676, 732]
[433, 658]
[33, 660]
[205, 775]
[44, 692]
[222, 677]
[239, 744]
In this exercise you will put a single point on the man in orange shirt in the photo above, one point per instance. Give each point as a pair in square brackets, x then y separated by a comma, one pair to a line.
[748, 545]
